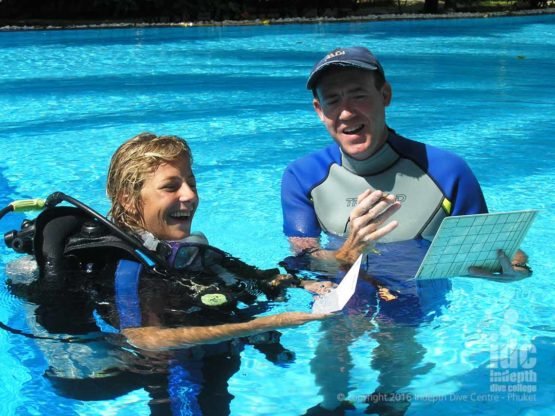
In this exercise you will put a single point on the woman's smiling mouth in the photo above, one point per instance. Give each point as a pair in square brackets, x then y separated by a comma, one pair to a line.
[181, 215]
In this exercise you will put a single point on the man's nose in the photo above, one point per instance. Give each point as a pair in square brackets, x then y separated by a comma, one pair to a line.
[347, 110]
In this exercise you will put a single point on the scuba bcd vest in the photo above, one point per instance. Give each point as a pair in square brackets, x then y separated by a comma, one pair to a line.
[69, 239]
[73, 244]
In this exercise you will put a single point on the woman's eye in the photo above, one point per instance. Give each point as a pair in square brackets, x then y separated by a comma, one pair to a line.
[192, 182]
[170, 188]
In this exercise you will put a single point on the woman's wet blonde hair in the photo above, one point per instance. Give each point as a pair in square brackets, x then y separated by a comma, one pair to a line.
[130, 165]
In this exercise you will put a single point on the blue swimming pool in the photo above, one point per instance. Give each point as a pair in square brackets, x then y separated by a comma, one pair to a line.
[482, 88]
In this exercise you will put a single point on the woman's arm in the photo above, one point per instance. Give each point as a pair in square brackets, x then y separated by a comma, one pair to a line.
[156, 338]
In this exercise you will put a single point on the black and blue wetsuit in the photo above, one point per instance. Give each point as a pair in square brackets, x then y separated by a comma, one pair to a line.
[319, 192]
[196, 374]
[145, 299]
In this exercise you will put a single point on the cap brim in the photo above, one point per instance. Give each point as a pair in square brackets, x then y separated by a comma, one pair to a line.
[313, 77]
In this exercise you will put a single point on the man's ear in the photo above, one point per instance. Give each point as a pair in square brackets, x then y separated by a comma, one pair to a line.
[318, 109]
[387, 94]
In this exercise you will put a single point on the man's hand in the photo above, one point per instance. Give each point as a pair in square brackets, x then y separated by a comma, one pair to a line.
[368, 223]
[313, 286]
[511, 271]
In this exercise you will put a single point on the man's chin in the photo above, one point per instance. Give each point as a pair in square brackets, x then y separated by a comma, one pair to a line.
[362, 150]
[358, 153]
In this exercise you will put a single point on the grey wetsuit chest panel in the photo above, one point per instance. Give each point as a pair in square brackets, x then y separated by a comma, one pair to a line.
[421, 199]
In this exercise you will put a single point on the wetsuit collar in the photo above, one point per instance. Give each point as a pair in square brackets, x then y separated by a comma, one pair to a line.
[378, 162]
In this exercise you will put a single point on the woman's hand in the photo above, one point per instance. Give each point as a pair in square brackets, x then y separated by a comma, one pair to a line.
[318, 287]
[285, 280]
[312, 286]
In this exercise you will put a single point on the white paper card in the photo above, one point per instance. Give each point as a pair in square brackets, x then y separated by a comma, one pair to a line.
[473, 240]
[337, 298]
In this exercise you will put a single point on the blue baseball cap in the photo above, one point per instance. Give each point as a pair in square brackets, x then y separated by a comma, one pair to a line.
[356, 56]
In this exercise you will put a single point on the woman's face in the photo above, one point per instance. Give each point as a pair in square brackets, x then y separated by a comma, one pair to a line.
[169, 200]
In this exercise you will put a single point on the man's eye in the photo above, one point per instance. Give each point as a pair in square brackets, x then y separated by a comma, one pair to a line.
[332, 102]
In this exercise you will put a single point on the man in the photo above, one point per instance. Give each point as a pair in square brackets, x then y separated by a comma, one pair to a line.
[371, 183]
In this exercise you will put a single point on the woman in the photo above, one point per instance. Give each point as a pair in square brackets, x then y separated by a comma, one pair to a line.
[153, 193]
[172, 302]
[154, 196]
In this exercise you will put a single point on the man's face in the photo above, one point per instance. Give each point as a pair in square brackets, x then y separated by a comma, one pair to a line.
[353, 110]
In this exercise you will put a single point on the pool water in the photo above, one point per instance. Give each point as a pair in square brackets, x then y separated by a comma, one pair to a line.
[482, 88]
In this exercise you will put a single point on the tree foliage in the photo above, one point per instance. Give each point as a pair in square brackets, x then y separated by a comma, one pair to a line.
[167, 9]
[194, 10]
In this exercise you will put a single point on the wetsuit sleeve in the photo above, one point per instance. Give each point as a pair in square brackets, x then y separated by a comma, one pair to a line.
[465, 194]
[299, 217]
[450, 173]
